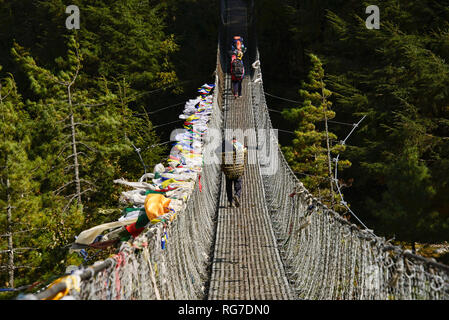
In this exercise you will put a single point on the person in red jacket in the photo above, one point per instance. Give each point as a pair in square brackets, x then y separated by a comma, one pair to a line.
[237, 74]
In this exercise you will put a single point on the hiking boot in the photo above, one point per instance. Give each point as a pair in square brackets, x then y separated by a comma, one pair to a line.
[237, 201]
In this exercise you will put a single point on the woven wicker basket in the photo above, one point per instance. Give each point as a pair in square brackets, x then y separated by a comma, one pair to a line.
[233, 163]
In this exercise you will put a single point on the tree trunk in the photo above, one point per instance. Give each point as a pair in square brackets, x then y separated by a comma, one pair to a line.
[10, 239]
[74, 150]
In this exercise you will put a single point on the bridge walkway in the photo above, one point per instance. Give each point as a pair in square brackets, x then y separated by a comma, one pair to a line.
[246, 263]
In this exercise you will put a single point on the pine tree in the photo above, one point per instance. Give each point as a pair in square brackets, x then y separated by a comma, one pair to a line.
[127, 39]
[398, 79]
[58, 90]
[311, 152]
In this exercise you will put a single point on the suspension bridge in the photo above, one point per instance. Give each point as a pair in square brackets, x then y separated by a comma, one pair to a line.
[282, 243]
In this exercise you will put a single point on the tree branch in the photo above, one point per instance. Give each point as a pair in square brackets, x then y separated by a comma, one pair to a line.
[75, 154]
[57, 191]
[75, 195]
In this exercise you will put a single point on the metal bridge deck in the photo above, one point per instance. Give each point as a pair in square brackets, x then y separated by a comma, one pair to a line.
[246, 264]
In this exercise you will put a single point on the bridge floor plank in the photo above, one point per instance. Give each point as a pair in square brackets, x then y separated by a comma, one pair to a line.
[246, 264]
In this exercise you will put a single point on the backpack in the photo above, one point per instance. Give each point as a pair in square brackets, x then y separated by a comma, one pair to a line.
[237, 43]
[237, 69]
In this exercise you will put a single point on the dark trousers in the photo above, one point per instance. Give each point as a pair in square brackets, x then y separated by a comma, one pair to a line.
[237, 187]
[237, 87]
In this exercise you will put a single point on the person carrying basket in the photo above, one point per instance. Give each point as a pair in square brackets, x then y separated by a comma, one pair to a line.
[233, 166]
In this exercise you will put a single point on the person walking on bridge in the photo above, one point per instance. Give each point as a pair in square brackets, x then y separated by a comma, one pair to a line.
[237, 74]
[234, 171]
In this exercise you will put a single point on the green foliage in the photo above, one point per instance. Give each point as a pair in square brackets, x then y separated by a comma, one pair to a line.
[101, 125]
[19, 191]
[131, 35]
[62, 115]
[308, 155]
[90, 88]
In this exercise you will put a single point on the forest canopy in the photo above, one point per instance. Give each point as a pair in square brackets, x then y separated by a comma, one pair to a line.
[75, 105]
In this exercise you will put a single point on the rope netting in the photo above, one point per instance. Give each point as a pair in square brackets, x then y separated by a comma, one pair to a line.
[325, 256]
